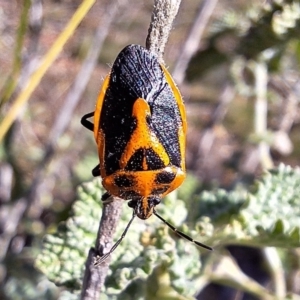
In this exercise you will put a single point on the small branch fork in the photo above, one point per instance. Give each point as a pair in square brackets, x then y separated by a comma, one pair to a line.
[162, 19]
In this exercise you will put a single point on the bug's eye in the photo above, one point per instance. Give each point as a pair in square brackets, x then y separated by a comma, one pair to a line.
[132, 203]
[155, 201]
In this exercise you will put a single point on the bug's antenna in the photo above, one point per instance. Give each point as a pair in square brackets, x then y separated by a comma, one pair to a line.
[180, 233]
[101, 259]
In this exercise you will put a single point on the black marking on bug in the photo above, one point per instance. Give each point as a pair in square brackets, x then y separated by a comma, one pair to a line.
[124, 181]
[153, 161]
[165, 177]
[135, 74]
[130, 194]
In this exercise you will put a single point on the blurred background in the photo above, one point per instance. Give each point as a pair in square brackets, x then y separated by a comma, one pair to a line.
[237, 65]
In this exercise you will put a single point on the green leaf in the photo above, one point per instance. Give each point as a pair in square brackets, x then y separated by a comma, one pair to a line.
[269, 216]
[150, 263]
[274, 208]
[63, 256]
[146, 248]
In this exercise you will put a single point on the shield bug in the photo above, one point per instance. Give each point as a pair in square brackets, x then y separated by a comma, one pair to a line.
[140, 128]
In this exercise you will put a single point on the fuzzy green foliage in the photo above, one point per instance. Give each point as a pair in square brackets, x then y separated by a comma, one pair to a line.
[147, 257]
[151, 262]
[267, 216]
[274, 26]
[272, 216]
[270, 26]
[63, 256]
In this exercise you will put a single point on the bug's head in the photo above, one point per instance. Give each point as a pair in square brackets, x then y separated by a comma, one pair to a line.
[143, 207]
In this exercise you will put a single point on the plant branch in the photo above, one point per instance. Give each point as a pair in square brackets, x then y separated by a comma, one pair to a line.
[261, 109]
[274, 266]
[162, 19]
[94, 277]
[163, 15]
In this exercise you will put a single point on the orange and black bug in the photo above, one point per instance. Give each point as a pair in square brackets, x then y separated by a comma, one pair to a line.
[139, 127]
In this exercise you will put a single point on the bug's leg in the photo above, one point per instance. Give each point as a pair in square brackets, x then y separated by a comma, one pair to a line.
[105, 196]
[96, 171]
[87, 124]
